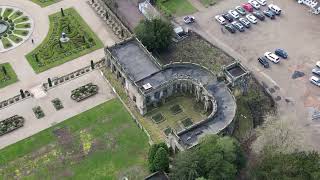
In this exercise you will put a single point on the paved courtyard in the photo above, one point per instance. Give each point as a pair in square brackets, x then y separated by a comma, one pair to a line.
[297, 31]
[71, 108]
[28, 79]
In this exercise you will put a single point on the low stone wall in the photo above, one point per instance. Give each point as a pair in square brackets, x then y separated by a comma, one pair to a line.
[73, 75]
[14, 100]
[111, 20]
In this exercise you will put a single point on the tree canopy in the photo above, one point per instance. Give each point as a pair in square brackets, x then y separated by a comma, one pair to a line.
[155, 34]
[297, 165]
[215, 158]
[158, 157]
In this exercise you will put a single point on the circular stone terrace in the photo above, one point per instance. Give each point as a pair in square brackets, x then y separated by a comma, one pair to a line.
[16, 26]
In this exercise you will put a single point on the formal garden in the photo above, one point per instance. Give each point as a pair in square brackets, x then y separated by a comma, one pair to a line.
[101, 143]
[7, 75]
[15, 27]
[69, 37]
[44, 3]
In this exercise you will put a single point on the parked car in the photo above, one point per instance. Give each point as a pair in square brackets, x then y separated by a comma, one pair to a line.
[272, 57]
[238, 26]
[269, 14]
[282, 53]
[227, 17]
[259, 15]
[234, 14]
[189, 19]
[247, 7]
[275, 9]
[254, 4]
[230, 28]
[316, 71]
[240, 10]
[252, 18]
[245, 22]
[318, 64]
[315, 80]
[264, 61]
[220, 19]
[262, 2]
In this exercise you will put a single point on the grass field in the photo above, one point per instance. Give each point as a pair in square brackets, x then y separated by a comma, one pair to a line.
[82, 41]
[10, 78]
[101, 143]
[44, 3]
[179, 7]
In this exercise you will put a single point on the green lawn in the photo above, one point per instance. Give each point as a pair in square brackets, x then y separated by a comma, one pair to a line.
[44, 3]
[101, 143]
[179, 7]
[10, 78]
[49, 52]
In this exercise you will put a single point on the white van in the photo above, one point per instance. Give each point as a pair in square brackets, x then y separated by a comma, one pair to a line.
[275, 9]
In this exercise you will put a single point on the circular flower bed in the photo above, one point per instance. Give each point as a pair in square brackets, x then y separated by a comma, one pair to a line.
[15, 27]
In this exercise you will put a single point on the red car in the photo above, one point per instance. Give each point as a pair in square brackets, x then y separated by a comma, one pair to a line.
[247, 7]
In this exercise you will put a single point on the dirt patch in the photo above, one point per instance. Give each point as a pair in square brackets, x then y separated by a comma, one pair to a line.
[65, 139]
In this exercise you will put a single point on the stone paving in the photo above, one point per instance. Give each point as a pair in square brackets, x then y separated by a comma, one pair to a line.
[43, 99]
[29, 80]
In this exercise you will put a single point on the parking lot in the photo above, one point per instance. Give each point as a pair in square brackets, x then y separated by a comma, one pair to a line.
[298, 32]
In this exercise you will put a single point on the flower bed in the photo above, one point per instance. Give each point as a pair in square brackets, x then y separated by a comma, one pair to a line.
[158, 118]
[57, 104]
[84, 92]
[38, 112]
[11, 124]
[175, 109]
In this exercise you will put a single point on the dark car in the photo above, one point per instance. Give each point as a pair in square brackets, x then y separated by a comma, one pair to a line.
[269, 14]
[238, 26]
[230, 28]
[259, 15]
[227, 17]
[281, 53]
[264, 61]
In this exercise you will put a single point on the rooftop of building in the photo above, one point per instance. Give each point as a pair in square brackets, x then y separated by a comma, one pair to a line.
[135, 59]
[176, 71]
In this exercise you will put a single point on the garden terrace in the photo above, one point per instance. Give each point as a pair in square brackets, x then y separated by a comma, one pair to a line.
[11, 124]
[99, 142]
[7, 76]
[51, 52]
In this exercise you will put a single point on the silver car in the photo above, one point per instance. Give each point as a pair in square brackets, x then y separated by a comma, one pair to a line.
[315, 80]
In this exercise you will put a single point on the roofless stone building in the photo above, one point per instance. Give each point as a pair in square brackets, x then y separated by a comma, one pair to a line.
[149, 84]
